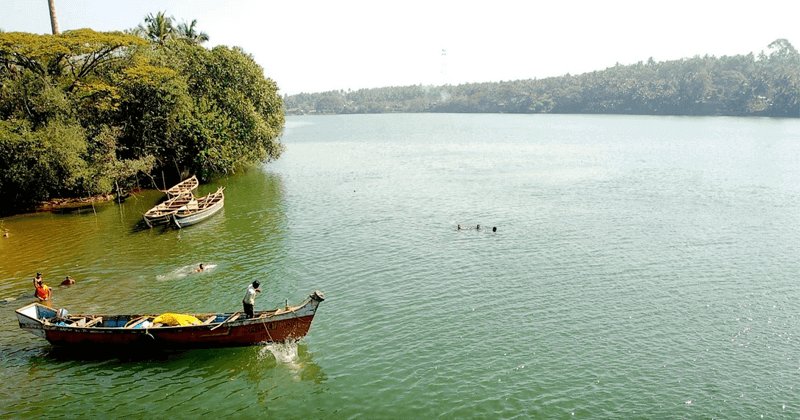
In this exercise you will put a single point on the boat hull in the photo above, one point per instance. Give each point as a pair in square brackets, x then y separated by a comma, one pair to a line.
[182, 221]
[236, 335]
[280, 325]
[162, 213]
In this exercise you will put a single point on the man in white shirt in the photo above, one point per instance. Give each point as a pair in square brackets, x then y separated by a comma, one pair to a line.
[250, 298]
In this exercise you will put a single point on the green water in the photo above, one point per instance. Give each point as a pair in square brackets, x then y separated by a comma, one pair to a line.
[642, 268]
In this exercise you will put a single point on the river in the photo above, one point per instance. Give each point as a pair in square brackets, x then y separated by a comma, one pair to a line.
[641, 267]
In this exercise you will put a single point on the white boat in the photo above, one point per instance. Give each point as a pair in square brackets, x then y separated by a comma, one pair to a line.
[200, 209]
[161, 213]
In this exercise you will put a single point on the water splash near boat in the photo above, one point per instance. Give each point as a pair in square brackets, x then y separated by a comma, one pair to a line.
[283, 352]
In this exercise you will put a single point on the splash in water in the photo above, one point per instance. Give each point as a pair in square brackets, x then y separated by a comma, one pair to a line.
[283, 352]
[185, 271]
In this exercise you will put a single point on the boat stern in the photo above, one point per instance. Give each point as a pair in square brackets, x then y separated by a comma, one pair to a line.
[31, 318]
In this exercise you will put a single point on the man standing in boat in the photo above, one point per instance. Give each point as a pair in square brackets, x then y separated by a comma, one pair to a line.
[42, 291]
[250, 298]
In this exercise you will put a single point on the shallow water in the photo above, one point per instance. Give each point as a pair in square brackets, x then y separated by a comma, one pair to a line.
[642, 267]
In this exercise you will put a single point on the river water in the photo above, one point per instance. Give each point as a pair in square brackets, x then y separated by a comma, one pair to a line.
[642, 267]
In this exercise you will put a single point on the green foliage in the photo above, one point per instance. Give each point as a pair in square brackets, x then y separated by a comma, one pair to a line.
[87, 113]
[237, 115]
[160, 28]
[37, 165]
[735, 86]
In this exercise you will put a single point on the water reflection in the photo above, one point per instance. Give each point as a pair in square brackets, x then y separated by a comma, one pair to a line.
[251, 363]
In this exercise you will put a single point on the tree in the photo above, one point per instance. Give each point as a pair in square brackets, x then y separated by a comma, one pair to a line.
[237, 114]
[53, 21]
[83, 112]
[189, 33]
[158, 28]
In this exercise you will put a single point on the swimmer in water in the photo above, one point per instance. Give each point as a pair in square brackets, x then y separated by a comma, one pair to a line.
[199, 269]
[69, 281]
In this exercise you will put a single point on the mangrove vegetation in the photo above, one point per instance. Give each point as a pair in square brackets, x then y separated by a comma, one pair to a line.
[85, 113]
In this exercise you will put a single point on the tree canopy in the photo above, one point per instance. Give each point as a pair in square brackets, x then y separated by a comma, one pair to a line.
[87, 112]
[742, 85]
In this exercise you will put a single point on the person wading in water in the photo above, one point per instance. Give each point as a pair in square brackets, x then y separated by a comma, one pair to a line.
[42, 291]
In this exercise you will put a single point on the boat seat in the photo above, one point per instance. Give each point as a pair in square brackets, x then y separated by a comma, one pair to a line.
[210, 319]
[97, 320]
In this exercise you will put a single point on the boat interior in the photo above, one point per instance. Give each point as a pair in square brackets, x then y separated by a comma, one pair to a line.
[50, 316]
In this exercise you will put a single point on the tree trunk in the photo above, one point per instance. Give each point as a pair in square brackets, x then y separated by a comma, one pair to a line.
[53, 20]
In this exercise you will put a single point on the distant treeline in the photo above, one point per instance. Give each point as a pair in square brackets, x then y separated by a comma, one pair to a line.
[742, 85]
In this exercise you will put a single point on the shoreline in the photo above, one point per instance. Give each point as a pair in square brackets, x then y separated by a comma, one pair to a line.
[80, 203]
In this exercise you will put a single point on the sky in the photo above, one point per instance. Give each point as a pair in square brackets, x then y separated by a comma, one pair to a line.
[316, 46]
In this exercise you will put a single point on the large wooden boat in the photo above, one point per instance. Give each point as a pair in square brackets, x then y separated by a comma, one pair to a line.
[200, 209]
[162, 213]
[214, 330]
[184, 187]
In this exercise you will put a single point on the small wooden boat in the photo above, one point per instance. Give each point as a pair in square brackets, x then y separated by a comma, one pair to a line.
[213, 330]
[184, 187]
[161, 213]
[200, 209]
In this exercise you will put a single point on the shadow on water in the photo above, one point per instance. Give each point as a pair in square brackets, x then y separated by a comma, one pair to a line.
[251, 361]
[101, 354]
[140, 226]
[21, 300]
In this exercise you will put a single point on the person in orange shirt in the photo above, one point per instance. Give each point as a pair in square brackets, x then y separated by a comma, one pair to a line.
[42, 291]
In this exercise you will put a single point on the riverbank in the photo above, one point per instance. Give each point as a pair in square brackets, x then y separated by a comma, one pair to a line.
[76, 204]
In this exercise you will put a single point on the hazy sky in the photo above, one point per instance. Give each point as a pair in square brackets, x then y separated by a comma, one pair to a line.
[314, 46]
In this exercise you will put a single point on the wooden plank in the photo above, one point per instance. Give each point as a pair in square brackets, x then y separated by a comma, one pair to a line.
[231, 318]
[92, 322]
[134, 322]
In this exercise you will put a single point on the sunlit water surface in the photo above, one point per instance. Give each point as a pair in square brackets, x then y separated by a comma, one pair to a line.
[642, 268]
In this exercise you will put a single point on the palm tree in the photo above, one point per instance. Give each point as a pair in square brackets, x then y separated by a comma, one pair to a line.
[53, 21]
[137, 31]
[188, 32]
[158, 28]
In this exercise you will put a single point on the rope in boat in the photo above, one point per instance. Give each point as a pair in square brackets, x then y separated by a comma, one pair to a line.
[264, 323]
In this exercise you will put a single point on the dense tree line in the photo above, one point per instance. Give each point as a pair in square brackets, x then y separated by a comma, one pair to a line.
[85, 112]
[742, 85]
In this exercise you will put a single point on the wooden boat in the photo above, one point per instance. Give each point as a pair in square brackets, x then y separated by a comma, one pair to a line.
[162, 213]
[200, 209]
[215, 329]
[184, 187]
